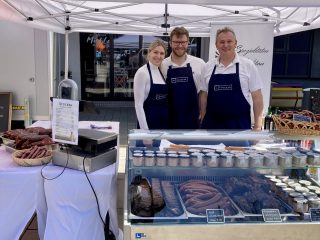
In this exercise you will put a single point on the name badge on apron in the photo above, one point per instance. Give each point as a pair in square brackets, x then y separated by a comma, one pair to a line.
[179, 80]
[223, 87]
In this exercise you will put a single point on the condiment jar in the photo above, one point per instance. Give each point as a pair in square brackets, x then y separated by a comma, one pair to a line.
[270, 160]
[148, 152]
[308, 195]
[274, 182]
[299, 160]
[161, 160]
[184, 160]
[193, 150]
[301, 189]
[205, 151]
[149, 160]
[300, 205]
[137, 159]
[160, 152]
[285, 193]
[226, 160]
[279, 187]
[197, 159]
[313, 188]
[172, 152]
[305, 183]
[256, 160]
[285, 160]
[313, 158]
[314, 203]
[212, 159]
[173, 160]
[294, 195]
[241, 161]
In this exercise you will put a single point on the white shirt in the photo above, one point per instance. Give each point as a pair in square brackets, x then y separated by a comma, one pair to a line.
[141, 89]
[250, 79]
[197, 65]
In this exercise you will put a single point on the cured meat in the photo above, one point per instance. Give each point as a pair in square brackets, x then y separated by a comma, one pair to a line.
[157, 198]
[26, 138]
[141, 199]
[252, 194]
[171, 199]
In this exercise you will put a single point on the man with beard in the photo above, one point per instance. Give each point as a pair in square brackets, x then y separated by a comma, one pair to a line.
[230, 81]
[183, 73]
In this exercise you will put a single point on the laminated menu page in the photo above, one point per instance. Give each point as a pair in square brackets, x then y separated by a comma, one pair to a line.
[65, 120]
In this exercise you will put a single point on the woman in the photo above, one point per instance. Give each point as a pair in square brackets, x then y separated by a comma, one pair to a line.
[150, 90]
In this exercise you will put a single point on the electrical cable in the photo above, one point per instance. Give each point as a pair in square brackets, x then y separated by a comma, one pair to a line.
[64, 168]
[109, 235]
[94, 192]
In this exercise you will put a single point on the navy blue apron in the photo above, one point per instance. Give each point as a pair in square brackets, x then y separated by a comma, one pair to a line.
[227, 108]
[183, 98]
[156, 105]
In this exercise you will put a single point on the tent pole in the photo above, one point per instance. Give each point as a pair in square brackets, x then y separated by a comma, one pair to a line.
[66, 49]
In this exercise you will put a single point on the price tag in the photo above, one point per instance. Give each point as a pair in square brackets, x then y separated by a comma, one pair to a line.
[314, 214]
[271, 215]
[215, 216]
[301, 118]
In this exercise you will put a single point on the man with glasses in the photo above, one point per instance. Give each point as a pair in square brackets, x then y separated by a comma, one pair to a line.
[183, 73]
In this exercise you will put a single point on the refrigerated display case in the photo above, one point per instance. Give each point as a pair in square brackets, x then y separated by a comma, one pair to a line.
[221, 185]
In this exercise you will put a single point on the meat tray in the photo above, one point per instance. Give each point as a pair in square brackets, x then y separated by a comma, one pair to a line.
[161, 215]
[235, 208]
[7, 140]
[8, 147]
[286, 206]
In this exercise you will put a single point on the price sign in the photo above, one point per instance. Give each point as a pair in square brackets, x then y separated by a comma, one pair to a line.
[271, 215]
[314, 214]
[215, 216]
[301, 118]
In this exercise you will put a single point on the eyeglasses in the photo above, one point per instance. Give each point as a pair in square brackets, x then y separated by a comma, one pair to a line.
[177, 43]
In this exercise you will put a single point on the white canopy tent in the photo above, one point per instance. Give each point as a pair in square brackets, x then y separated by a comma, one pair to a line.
[147, 17]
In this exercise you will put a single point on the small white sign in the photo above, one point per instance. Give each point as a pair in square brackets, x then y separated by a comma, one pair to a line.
[215, 216]
[271, 215]
[65, 120]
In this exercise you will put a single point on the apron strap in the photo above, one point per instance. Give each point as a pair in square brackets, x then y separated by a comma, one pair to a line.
[149, 70]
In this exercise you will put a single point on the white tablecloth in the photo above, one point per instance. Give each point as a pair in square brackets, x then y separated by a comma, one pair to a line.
[21, 196]
[72, 208]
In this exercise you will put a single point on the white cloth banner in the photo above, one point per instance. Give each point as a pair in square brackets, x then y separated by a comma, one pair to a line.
[255, 41]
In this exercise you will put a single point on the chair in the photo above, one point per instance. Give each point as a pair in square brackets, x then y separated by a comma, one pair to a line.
[120, 77]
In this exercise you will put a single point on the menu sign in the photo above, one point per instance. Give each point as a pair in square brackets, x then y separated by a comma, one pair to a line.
[5, 111]
[65, 120]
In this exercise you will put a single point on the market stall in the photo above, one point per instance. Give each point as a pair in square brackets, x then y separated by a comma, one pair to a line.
[62, 198]
[72, 206]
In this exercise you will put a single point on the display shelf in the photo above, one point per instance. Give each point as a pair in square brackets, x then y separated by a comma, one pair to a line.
[241, 172]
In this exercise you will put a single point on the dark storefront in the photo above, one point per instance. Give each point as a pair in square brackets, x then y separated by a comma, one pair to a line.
[109, 62]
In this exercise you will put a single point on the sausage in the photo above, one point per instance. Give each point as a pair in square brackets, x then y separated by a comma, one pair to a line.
[36, 152]
[32, 151]
[216, 198]
[42, 153]
[25, 153]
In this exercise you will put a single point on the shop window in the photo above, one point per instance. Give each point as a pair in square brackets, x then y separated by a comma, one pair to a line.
[292, 55]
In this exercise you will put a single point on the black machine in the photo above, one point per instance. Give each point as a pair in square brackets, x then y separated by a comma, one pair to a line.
[311, 100]
[95, 150]
[95, 142]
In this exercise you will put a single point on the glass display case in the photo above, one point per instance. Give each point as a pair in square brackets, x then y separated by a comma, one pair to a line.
[221, 185]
